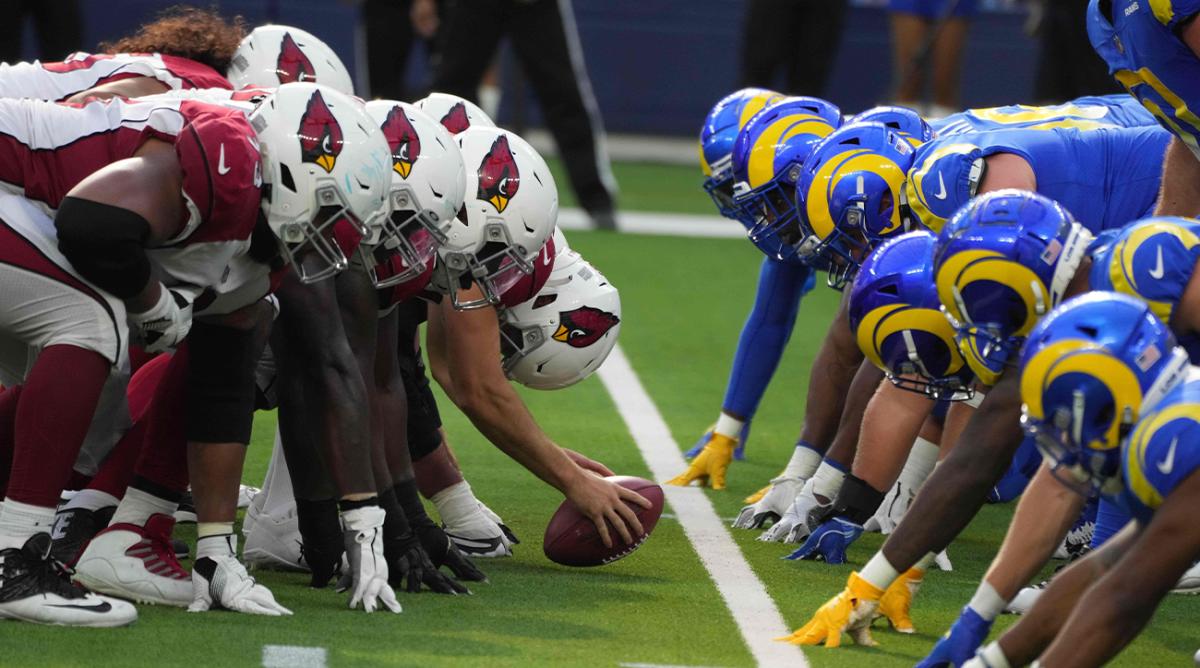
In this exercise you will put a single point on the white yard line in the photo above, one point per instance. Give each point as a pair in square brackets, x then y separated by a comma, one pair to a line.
[656, 665]
[293, 656]
[747, 599]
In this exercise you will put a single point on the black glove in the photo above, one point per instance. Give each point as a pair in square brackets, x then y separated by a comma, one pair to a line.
[321, 535]
[412, 569]
[443, 552]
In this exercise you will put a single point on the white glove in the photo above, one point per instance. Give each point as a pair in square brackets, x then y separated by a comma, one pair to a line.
[772, 506]
[368, 572]
[892, 509]
[164, 325]
[222, 582]
[799, 520]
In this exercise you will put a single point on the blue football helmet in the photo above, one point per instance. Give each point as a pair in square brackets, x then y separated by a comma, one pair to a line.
[849, 196]
[767, 159]
[1090, 369]
[1000, 264]
[717, 137]
[907, 122]
[897, 319]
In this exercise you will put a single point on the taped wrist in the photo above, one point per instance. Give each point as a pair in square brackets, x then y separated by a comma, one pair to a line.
[105, 244]
[857, 501]
[221, 384]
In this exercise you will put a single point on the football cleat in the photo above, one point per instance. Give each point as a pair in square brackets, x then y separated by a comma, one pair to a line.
[34, 587]
[246, 495]
[799, 520]
[491, 515]
[1025, 599]
[942, 561]
[274, 542]
[1076, 542]
[894, 505]
[779, 497]
[136, 563]
[73, 528]
[1190, 582]
[829, 541]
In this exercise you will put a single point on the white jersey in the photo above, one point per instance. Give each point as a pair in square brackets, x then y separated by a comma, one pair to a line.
[82, 71]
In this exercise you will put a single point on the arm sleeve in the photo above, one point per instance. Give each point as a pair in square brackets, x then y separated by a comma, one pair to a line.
[766, 333]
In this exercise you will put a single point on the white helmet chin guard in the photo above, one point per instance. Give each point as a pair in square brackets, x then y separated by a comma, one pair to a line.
[509, 212]
[428, 182]
[562, 335]
[273, 55]
[455, 113]
[326, 171]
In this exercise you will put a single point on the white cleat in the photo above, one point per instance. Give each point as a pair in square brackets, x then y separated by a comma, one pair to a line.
[799, 520]
[136, 563]
[942, 561]
[246, 495]
[1025, 599]
[1190, 582]
[772, 506]
[34, 588]
[274, 543]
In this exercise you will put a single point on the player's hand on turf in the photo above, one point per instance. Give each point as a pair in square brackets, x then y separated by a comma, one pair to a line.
[413, 570]
[223, 583]
[367, 576]
[607, 505]
[163, 325]
[739, 453]
[772, 506]
[710, 465]
[829, 541]
[897, 600]
[851, 611]
[805, 514]
[960, 643]
[443, 552]
[588, 464]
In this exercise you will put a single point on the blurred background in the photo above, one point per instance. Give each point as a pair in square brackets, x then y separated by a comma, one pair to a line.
[647, 71]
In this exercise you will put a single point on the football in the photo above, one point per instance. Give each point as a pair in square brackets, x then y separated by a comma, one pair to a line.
[572, 540]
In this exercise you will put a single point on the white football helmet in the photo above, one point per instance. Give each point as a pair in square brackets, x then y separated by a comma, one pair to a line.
[562, 335]
[455, 113]
[272, 55]
[510, 210]
[427, 189]
[326, 171]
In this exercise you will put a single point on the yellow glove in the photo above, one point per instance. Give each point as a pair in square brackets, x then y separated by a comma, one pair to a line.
[851, 612]
[897, 600]
[710, 465]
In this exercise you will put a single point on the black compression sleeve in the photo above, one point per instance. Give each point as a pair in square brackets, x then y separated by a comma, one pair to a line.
[221, 384]
[105, 244]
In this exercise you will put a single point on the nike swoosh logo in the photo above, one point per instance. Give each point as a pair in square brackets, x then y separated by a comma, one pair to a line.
[941, 193]
[1157, 271]
[221, 168]
[1167, 465]
[98, 608]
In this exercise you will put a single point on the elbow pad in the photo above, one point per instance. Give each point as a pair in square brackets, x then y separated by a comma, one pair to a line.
[105, 244]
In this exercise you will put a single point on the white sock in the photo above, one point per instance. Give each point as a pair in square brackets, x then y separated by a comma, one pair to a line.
[91, 499]
[217, 545]
[729, 427]
[455, 503]
[19, 521]
[879, 571]
[926, 560]
[920, 463]
[803, 464]
[138, 506]
[827, 481]
[987, 602]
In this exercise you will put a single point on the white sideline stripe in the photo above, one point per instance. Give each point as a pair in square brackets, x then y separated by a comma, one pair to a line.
[655, 222]
[657, 665]
[293, 656]
[751, 606]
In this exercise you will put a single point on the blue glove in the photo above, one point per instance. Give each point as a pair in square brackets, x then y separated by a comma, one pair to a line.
[960, 642]
[829, 541]
[739, 453]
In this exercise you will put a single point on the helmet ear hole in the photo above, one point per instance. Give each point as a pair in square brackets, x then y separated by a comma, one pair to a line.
[285, 178]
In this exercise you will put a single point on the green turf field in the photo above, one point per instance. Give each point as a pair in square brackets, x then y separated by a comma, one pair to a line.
[684, 301]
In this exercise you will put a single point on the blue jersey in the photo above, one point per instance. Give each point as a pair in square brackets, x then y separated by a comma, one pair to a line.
[1153, 261]
[1140, 42]
[1163, 450]
[1106, 177]
[1084, 113]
